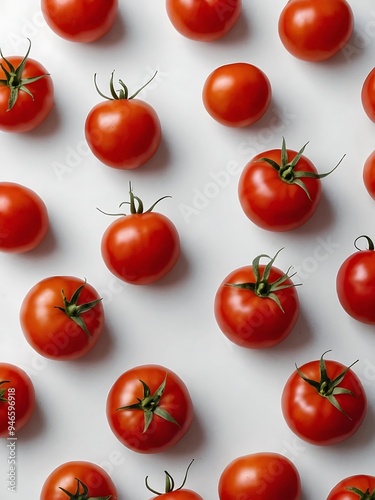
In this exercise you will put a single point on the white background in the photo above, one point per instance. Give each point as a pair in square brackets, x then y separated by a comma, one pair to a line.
[236, 392]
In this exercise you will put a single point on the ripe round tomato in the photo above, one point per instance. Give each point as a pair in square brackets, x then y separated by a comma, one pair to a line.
[237, 94]
[203, 20]
[172, 493]
[257, 306]
[26, 93]
[356, 487]
[80, 20]
[62, 317]
[24, 218]
[123, 132]
[324, 402]
[368, 95]
[149, 409]
[260, 476]
[368, 174]
[78, 480]
[315, 30]
[355, 282]
[17, 399]
[280, 189]
[142, 247]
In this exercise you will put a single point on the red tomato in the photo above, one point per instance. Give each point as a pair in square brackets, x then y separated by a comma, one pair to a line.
[78, 480]
[26, 93]
[358, 487]
[324, 402]
[80, 20]
[257, 306]
[237, 94]
[24, 218]
[172, 493]
[142, 247]
[17, 399]
[315, 30]
[260, 476]
[123, 132]
[368, 174]
[62, 317]
[203, 20]
[368, 95]
[149, 409]
[355, 282]
[280, 189]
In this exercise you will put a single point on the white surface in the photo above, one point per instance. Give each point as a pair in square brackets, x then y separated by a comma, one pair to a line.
[236, 392]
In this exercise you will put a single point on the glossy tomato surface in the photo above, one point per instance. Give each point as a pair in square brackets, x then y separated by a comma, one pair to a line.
[260, 476]
[74, 477]
[128, 425]
[356, 487]
[49, 329]
[368, 95]
[80, 20]
[315, 30]
[17, 399]
[368, 174]
[237, 94]
[24, 218]
[178, 495]
[203, 20]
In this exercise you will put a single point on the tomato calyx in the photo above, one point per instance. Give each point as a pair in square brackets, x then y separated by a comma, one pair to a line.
[287, 172]
[169, 482]
[328, 388]
[123, 92]
[3, 399]
[369, 242]
[82, 492]
[13, 78]
[262, 287]
[362, 495]
[75, 311]
[150, 405]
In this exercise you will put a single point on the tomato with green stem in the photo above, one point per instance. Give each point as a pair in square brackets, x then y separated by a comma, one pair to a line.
[324, 402]
[123, 132]
[62, 317]
[26, 93]
[149, 409]
[172, 493]
[257, 306]
[280, 189]
[356, 487]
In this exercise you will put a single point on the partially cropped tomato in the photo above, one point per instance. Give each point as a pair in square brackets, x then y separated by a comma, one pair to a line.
[203, 20]
[324, 402]
[17, 399]
[123, 132]
[26, 93]
[280, 189]
[172, 493]
[315, 30]
[356, 487]
[237, 94]
[78, 480]
[149, 408]
[355, 282]
[62, 317]
[368, 174]
[80, 20]
[24, 218]
[257, 306]
[260, 476]
[142, 247]
[368, 95]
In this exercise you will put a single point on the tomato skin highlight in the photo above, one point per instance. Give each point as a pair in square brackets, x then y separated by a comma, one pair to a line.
[362, 482]
[24, 220]
[20, 391]
[368, 95]
[49, 330]
[128, 425]
[315, 30]
[237, 94]
[80, 20]
[260, 476]
[179, 495]
[203, 20]
[368, 174]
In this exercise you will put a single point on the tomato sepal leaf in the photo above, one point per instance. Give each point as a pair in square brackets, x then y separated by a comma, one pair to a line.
[82, 495]
[3, 399]
[169, 482]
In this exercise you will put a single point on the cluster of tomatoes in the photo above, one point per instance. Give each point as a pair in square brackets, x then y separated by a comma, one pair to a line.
[149, 408]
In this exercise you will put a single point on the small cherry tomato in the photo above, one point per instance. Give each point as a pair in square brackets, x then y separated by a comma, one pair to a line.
[368, 174]
[24, 218]
[315, 30]
[356, 487]
[26, 93]
[203, 20]
[237, 94]
[368, 95]
[172, 493]
[17, 399]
